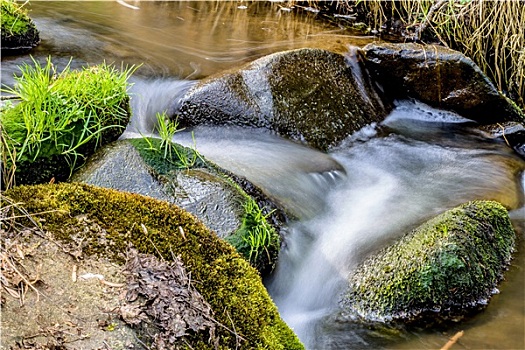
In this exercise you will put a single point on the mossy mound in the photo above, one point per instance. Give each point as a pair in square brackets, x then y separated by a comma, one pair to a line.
[443, 270]
[232, 288]
[61, 119]
[18, 31]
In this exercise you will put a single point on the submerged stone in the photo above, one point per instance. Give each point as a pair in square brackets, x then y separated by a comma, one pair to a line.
[243, 312]
[440, 77]
[443, 270]
[311, 95]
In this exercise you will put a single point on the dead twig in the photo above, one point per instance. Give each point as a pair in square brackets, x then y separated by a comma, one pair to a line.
[26, 281]
[234, 332]
[503, 134]
[112, 284]
[74, 273]
[421, 28]
[453, 340]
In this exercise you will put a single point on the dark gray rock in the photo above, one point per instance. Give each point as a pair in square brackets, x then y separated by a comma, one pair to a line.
[311, 95]
[201, 192]
[512, 133]
[440, 77]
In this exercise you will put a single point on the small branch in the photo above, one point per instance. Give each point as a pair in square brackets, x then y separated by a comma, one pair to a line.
[421, 28]
[453, 340]
[9, 97]
[26, 281]
[503, 134]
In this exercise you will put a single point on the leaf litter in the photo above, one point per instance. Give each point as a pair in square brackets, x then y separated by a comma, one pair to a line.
[55, 296]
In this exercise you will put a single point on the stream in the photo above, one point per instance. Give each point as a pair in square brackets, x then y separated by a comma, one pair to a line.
[381, 182]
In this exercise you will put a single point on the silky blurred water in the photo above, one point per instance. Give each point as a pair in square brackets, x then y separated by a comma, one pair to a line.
[420, 163]
[183, 39]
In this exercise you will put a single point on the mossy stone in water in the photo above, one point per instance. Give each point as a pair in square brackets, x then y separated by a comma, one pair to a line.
[227, 282]
[443, 270]
[18, 31]
[62, 118]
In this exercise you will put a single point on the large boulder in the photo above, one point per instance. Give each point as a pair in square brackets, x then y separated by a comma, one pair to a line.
[440, 77]
[87, 221]
[311, 95]
[444, 269]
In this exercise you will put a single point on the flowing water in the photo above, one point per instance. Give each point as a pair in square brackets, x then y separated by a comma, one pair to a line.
[381, 182]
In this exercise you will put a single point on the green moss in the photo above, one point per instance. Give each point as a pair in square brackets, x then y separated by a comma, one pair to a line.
[179, 157]
[232, 288]
[449, 265]
[15, 20]
[62, 117]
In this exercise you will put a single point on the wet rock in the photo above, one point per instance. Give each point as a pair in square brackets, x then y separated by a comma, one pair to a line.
[200, 190]
[440, 77]
[311, 95]
[512, 133]
[216, 197]
[443, 270]
[18, 32]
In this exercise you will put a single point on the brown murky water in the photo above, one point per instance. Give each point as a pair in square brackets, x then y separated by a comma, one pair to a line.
[187, 39]
[191, 40]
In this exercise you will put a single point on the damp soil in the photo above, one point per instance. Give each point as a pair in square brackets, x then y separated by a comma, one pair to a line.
[54, 296]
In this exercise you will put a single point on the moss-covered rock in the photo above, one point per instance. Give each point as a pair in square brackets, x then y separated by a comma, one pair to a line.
[232, 288]
[440, 77]
[183, 177]
[62, 118]
[444, 269]
[18, 31]
[311, 95]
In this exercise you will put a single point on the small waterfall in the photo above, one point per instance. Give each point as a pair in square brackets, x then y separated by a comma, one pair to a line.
[294, 176]
[152, 96]
[365, 86]
[381, 182]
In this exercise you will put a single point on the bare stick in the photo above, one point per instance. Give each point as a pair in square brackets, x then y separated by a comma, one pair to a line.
[428, 18]
[453, 340]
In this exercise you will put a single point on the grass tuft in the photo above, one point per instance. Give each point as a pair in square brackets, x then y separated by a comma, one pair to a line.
[65, 114]
[256, 239]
